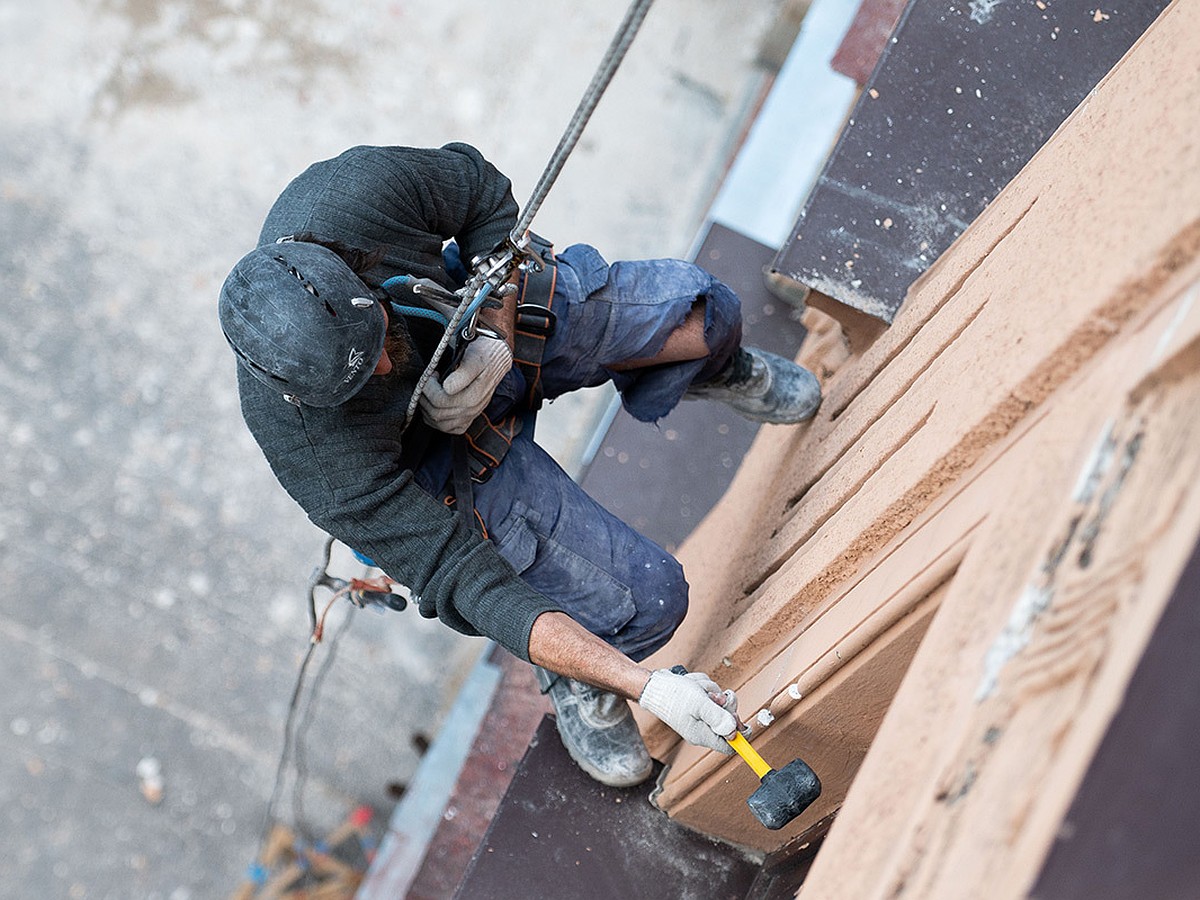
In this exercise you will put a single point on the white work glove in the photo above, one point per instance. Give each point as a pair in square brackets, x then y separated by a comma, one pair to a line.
[683, 702]
[453, 404]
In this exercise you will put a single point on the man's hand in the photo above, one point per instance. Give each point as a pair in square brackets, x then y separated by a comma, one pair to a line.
[453, 404]
[684, 703]
[562, 645]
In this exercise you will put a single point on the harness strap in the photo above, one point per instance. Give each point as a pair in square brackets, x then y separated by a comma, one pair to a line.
[487, 442]
[463, 492]
[535, 320]
[451, 502]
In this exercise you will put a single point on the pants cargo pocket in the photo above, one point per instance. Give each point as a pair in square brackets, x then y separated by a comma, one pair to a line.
[586, 592]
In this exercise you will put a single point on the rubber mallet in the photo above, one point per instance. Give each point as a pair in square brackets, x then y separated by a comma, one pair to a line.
[783, 793]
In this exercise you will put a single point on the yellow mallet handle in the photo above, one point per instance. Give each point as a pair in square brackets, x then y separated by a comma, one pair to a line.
[750, 755]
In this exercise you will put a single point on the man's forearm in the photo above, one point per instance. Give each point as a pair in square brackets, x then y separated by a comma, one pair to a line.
[559, 643]
[689, 704]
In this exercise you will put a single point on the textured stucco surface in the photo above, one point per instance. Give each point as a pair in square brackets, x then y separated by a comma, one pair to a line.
[1035, 394]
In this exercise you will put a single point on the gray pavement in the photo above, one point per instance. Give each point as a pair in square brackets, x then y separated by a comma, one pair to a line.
[152, 573]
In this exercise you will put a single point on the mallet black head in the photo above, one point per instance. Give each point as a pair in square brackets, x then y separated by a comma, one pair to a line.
[784, 794]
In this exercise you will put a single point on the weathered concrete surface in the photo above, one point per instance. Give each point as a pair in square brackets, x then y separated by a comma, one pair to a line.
[152, 573]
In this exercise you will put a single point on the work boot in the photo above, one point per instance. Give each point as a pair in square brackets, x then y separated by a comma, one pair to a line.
[598, 730]
[763, 387]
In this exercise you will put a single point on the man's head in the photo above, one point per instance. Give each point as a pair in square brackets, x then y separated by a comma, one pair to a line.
[302, 322]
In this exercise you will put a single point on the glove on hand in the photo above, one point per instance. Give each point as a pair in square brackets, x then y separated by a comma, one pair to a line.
[683, 702]
[452, 405]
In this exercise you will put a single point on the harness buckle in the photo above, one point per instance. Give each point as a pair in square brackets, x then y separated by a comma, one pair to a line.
[536, 319]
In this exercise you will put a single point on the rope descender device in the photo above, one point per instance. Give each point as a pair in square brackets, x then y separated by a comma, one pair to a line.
[492, 274]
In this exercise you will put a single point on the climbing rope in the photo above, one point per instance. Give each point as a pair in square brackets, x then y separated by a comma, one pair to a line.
[626, 32]
[361, 592]
[495, 271]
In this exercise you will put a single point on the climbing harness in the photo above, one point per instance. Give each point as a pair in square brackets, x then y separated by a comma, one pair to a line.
[535, 319]
[486, 442]
[493, 271]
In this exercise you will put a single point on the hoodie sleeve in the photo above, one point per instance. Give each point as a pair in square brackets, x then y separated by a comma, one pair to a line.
[407, 200]
[341, 465]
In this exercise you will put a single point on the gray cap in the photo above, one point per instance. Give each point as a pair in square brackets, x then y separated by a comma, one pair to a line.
[302, 322]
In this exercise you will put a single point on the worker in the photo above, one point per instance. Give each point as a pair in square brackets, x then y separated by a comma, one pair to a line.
[331, 350]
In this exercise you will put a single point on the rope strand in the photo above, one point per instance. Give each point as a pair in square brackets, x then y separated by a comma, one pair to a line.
[300, 738]
[583, 112]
